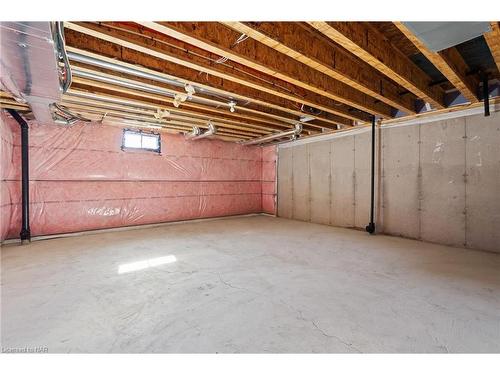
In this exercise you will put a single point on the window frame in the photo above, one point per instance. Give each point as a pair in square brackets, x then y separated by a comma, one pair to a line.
[141, 133]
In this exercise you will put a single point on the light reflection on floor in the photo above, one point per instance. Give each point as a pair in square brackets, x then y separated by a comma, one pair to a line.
[154, 262]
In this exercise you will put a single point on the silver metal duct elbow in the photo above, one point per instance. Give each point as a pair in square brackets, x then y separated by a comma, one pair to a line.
[197, 134]
[272, 137]
[63, 116]
[193, 133]
[212, 130]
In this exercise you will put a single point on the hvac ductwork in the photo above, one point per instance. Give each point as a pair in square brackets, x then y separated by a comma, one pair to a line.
[63, 116]
[34, 64]
[196, 133]
[74, 56]
[276, 136]
[190, 88]
[193, 133]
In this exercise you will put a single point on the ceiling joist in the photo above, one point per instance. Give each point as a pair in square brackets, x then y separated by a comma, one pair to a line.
[252, 79]
[186, 66]
[294, 40]
[167, 114]
[371, 46]
[214, 103]
[450, 63]
[220, 40]
[493, 40]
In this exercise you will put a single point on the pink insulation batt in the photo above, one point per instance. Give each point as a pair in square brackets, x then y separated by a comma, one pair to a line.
[81, 179]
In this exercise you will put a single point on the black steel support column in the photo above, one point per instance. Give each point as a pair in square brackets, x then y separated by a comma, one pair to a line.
[25, 179]
[370, 228]
[486, 95]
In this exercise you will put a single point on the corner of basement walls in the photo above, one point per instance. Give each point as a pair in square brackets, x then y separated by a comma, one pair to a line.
[269, 160]
[81, 179]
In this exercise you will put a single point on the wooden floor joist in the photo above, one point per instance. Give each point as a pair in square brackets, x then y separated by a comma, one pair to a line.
[105, 77]
[493, 40]
[90, 37]
[68, 100]
[252, 79]
[12, 104]
[450, 63]
[220, 40]
[371, 46]
[295, 41]
[200, 109]
[86, 87]
[84, 111]
[218, 103]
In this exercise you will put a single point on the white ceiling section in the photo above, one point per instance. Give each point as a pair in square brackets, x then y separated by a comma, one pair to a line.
[441, 35]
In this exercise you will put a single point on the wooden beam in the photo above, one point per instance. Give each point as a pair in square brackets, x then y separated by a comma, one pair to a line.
[12, 104]
[295, 41]
[100, 78]
[149, 116]
[137, 50]
[84, 86]
[181, 126]
[252, 119]
[249, 121]
[220, 40]
[370, 45]
[493, 41]
[450, 63]
[121, 122]
[68, 100]
[460, 107]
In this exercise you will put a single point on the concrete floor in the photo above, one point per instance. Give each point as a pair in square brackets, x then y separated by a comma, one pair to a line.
[249, 284]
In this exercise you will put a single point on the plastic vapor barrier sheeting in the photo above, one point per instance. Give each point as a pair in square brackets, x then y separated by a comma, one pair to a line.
[81, 179]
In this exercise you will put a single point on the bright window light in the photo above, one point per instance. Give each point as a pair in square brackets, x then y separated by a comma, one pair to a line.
[143, 264]
[149, 141]
[136, 139]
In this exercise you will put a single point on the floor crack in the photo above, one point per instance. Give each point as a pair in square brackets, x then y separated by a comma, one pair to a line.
[320, 330]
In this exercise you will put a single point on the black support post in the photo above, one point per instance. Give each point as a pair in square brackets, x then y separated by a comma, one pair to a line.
[25, 179]
[486, 95]
[370, 228]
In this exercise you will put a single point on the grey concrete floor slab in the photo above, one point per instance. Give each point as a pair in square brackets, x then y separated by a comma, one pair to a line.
[248, 284]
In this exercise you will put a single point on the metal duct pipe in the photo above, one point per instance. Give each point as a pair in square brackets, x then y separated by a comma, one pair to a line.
[212, 130]
[271, 137]
[63, 116]
[119, 82]
[122, 69]
[133, 85]
[25, 177]
[138, 73]
[194, 133]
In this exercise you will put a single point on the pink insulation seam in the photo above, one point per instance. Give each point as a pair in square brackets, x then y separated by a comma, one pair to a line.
[269, 157]
[80, 179]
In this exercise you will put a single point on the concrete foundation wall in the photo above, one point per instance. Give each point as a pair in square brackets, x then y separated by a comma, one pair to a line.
[437, 181]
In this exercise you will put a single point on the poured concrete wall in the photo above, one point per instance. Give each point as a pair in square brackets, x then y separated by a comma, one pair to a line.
[437, 181]
[326, 182]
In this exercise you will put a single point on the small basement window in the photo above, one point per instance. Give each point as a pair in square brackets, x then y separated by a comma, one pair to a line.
[137, 139]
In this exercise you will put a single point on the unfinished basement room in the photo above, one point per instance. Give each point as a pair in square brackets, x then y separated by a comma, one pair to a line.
[250, 186]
